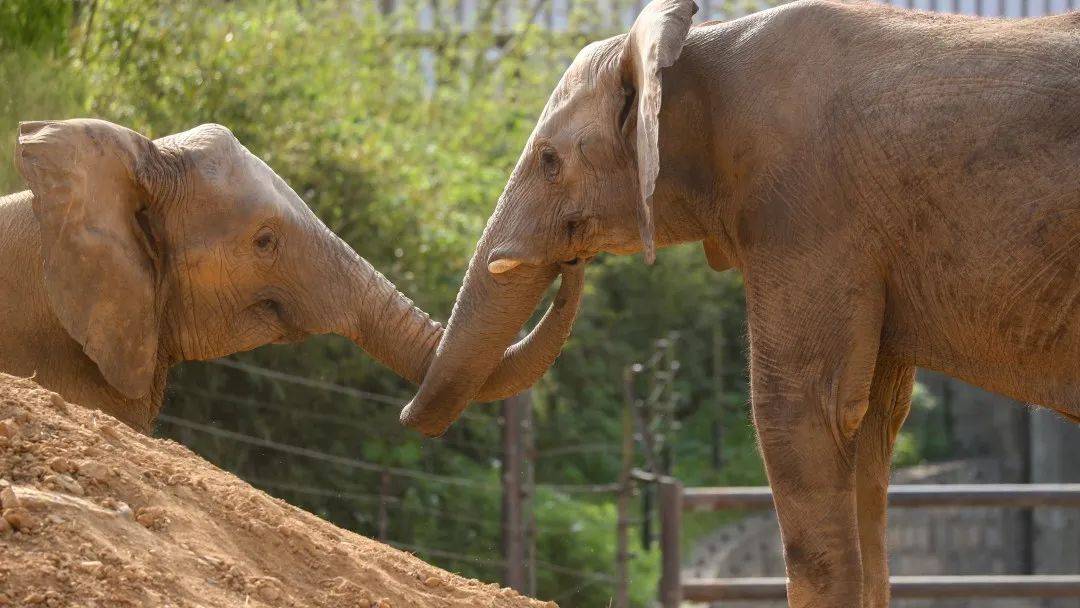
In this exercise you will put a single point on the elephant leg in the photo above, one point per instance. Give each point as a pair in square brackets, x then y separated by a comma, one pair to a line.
[890, 400]
[812, 362]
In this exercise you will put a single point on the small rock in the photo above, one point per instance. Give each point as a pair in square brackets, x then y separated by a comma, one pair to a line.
[20, 519]
[5, 529]
[38, 471]
[58, 402]
[432, 581]
[177, 479]
[90, 566]
[62, 465]
[65, 483]
[34, 598]
[151, 517]
[94, 470]
[110, 430]
[9, 429]
[8, 498]
[123, 510]
[268, 592]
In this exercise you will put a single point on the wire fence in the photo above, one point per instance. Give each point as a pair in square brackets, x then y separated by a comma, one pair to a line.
[369, 501]
[372, 467]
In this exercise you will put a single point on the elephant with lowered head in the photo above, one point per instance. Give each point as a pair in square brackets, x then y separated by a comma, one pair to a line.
[899, 189]
[127, 256]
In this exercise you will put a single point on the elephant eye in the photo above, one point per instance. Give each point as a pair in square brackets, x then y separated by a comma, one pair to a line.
[550, 164]
[271, 306]
[265, 241]
[572, 227]
[578, 228]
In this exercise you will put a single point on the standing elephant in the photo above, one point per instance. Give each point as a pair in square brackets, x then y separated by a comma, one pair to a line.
[127, 256]
[899, 189]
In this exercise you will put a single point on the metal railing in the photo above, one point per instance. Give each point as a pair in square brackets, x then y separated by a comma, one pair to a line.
[674, 500]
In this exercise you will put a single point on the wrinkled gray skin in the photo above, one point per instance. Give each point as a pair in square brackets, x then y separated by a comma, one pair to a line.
[128, 256]
[899, 189]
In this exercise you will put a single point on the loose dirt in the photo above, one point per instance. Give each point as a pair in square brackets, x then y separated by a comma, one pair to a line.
[97, 515]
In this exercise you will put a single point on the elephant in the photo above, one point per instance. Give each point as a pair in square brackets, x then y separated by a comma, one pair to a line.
[128, 256]
[897, 188]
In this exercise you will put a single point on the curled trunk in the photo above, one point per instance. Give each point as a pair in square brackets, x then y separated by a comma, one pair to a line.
[523, 363]
[488, 313]
[386, 324]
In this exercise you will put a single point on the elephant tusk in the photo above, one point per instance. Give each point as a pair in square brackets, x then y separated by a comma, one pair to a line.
[502, 265]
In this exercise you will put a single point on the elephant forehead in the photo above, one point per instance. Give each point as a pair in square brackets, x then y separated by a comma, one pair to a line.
[587, 80]
[596, 59]
[245, 188]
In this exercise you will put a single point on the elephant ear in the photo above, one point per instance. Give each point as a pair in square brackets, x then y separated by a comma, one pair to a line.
[655, 42]
[99, 277]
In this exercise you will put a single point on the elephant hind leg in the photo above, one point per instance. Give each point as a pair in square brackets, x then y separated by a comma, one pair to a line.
[890, 401]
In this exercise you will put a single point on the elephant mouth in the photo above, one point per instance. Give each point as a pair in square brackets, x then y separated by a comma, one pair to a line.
[578, 260]
[291, 335]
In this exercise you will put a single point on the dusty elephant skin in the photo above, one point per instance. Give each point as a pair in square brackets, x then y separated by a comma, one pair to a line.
[127, 256]
[898, 188]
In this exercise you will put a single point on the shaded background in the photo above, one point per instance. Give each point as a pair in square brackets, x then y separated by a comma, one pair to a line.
[398, 122]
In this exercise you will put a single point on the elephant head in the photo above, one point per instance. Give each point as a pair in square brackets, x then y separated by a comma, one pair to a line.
[583, 185]
[190, 247]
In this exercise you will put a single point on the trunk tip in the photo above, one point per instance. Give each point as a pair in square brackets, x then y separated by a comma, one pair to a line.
[414, 418]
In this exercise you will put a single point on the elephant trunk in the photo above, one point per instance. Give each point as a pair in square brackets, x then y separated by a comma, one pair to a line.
[524, 362]
[383, 322]
[370, 311]
[488, 313]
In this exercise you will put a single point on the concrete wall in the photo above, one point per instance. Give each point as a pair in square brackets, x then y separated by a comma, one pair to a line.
[1030, 445]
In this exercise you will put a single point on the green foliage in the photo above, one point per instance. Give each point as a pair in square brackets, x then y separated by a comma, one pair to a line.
[577, 536]
[36, 81]
[925, 436]
[39, 26]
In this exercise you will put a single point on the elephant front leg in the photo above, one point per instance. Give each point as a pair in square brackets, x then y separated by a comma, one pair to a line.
[812, 361]
[890, 401]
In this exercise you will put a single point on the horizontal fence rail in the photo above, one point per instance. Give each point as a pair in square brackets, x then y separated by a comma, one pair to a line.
[674, 500]
[774, 588]
[953, 495]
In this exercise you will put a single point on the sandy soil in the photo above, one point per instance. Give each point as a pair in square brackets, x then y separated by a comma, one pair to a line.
[96, 515]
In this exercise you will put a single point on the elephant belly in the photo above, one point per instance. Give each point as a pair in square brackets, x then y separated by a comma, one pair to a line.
[1020, 339]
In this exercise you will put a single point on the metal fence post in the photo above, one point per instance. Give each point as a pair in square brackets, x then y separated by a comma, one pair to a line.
[671, 494]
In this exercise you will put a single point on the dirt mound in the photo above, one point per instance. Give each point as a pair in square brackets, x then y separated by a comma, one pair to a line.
[96, 515]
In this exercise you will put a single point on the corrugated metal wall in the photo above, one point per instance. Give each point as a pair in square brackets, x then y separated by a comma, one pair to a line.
[608, 15]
